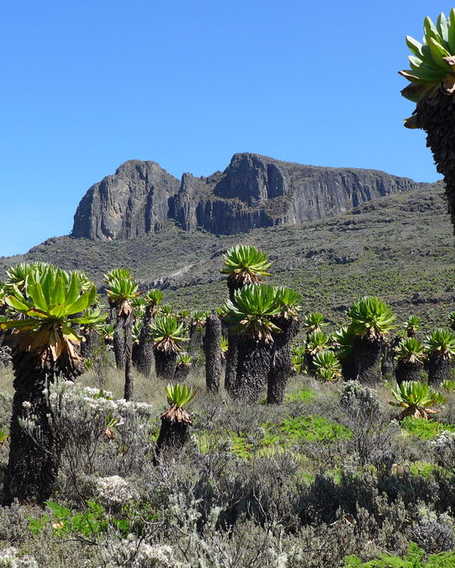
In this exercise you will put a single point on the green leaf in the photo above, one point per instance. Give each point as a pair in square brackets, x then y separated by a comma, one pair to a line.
[443, 28]
[451, 39]
[414, 45]
[438, 52]
[16, 304]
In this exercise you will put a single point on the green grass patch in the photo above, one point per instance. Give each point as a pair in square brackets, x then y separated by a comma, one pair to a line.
[425, 429]
[424, 469]
[302, 395]
[309, 429]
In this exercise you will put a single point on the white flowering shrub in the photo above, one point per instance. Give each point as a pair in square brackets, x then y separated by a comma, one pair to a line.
[114, 491]
[444, 449]
[9, 559]
[136, 553]
[98, 435]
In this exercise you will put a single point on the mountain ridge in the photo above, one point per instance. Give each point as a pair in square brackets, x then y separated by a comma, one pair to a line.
[254, 191]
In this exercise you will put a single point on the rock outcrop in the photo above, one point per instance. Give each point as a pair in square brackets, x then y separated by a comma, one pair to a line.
[254, 191]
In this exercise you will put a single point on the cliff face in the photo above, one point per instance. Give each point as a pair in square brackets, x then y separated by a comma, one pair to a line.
[128, 204]
[254, 191]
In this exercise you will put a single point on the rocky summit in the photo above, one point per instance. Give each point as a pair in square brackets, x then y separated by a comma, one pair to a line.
[253, 192]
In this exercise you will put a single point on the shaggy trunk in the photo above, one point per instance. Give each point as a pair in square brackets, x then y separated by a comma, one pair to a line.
[231, 361]
[181, 373]
[436, 115]
[128, 344]
[118, 343]
[195, 342]
[174, 431]
[144, 355]
[253, 367]
[438, 369]
[367, 354]
[407, 371]
[34, 454]
[165, 364]
[212, 342]
[281, 365]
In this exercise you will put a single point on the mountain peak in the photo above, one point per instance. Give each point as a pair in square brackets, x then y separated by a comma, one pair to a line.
[253, 191]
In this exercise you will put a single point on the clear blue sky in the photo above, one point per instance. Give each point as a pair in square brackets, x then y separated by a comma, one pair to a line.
[88, 84]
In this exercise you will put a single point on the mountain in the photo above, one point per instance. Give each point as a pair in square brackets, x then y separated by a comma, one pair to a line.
[399, 247]
[253, 192]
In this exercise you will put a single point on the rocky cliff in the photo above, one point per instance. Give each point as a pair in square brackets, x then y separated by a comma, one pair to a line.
[253, 191]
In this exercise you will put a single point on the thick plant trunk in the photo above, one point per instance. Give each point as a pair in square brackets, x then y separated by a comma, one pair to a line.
[181, 373]
[281, 365]
[165, 364]
[128, 343]
[231, 362]
[173, 435]
[367, 355]
[438, 369]
[33, 456]
[119, 344]
[195, 342]
[406, 371]
[144, 355]
[253, 367]
[436, 115]
[212, 342]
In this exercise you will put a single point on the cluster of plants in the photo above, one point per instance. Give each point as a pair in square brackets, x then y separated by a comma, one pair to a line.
[295, 451]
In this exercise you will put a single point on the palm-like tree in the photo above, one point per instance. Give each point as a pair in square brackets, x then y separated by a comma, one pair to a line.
[288, 323]
[371, 321]
[314, 321]
[416, 399]
[251, 315]
[152, 299]
[316, 342]
[412, 326]
[214, 355]
[410, 356]
[243, 265]
[47, 306]
[432, 86]
[440, 346]
[298, 360]
[121, 290]
[183, 367]
[327, 366]
[175, 421]
[342, 342]
[197, 323]
[168, 334]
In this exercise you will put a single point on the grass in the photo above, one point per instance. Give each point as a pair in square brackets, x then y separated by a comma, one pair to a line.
[425, 429]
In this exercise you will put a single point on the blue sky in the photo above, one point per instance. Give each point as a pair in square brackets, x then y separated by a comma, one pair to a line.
[89, 84]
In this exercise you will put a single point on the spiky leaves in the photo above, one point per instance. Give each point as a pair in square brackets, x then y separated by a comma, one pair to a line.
[245, 264]
[252, 310]
[50, 301]
[175, 421]
[371, 317]
[410, 355]
[440, 346]
[314, 321]
[121, 290]
[412, 326]
[416, 399]
[168, 334]
[432, 63]
[327, 366]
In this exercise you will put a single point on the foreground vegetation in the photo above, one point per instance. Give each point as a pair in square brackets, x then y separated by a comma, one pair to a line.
[253, 454]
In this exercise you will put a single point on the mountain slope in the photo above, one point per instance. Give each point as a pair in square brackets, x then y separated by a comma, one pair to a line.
[399, 247]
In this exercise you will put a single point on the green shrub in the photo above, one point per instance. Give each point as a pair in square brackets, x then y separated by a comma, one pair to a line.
[425, 429]
[413, 559]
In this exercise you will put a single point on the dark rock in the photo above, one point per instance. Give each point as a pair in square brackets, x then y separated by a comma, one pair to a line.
[254, 191]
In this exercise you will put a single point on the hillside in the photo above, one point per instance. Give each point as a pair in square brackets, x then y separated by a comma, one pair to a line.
[399, 247]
